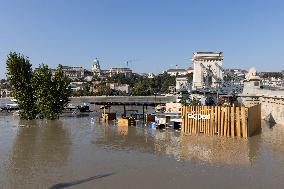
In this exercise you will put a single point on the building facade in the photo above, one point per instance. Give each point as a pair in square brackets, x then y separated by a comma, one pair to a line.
[126, 71]
[207, 69]
[5, 93]
[74, 72]
[96, 68]
[120, 87]
[177, 72]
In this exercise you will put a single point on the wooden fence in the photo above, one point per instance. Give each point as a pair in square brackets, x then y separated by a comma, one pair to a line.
[223, 121]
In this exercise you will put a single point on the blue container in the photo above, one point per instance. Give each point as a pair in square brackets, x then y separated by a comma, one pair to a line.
[153, 125]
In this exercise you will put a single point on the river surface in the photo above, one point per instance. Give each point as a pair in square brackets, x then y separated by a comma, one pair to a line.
[81, 152]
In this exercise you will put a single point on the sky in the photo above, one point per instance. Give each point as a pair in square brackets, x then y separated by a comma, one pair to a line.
[154, 35]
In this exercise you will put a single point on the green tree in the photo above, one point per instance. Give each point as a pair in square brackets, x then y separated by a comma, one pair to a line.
[103, 89]
[189, 77]
[227, 77]
[144, 87]
[165, 80]
[52, 93]
[62, 90]
[20, 75]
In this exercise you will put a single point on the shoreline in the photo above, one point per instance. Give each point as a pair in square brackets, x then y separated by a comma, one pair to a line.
[75, 97]
[82, 97]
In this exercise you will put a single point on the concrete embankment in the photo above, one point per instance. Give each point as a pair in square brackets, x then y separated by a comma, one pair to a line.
[272, 103]
[162, 99]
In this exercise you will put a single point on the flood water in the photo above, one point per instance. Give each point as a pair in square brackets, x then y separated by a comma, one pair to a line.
[80, 152]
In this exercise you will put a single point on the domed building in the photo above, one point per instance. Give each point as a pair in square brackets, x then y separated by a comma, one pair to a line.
[96, 68]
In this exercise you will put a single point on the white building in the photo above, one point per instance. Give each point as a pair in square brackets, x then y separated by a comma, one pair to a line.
[120, 87]
[177, 72]
[5, 93]
[207, 69]
[76, 86]
[96, 68]
[150, 75]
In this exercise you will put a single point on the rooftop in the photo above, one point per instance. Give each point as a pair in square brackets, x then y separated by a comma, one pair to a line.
[204, 55]
[176, 70]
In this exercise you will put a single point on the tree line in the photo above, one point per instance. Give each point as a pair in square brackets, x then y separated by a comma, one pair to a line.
[139, 85]
[38, 93]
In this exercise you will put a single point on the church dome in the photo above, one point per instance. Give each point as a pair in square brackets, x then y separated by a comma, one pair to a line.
[96, 61]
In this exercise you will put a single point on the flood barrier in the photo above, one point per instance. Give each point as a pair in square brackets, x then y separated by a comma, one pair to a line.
[227, 121]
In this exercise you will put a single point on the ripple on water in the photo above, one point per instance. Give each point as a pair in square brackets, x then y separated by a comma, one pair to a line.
[71, 148]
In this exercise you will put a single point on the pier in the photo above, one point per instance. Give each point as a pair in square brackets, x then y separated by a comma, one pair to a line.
[110, 116]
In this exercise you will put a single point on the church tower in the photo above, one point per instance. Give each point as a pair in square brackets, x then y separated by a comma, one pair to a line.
[96, 68]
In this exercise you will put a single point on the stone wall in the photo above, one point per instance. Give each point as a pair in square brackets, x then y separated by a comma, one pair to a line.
[272, 109]
[272, 101]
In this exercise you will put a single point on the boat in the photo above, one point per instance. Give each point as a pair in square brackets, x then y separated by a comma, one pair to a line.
[84, 108]
[9, 107]
[74, 110]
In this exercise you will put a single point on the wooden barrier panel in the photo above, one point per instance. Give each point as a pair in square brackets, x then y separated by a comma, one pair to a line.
[244, 122]
[222, 121]
[232, 121]
[254, 119]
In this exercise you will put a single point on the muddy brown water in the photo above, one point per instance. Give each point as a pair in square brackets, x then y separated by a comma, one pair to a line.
[80, 152]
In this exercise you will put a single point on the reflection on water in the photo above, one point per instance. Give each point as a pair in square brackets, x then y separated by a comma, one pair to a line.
[181, 147]
[70, 150]
[42, 144]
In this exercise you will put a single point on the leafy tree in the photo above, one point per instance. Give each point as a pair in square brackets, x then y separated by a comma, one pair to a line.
[227, 77]
[164, 81]
[140, 88]
[85, 91]
[191, 102]
[20, 75]
[102, 89]
[189, 77]
[183, 102]
[62, 90]
[194, 102]
[43, 90]
[37, 92]
[52, 92]
[4, 84]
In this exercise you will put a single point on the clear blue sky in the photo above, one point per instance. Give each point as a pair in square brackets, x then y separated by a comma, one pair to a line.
[156, 35]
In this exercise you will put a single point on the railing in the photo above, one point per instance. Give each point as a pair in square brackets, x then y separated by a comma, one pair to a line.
[223, 121]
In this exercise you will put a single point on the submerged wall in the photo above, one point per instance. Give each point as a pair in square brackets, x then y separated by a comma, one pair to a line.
[272, 109]
[272, 106]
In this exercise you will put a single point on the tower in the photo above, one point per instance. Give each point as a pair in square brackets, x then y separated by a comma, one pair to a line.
[207, 69]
